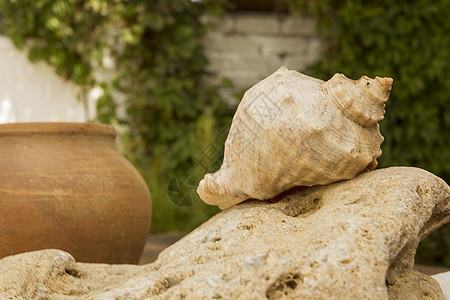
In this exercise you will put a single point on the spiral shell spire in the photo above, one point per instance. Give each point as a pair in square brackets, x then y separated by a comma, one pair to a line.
[361, 100]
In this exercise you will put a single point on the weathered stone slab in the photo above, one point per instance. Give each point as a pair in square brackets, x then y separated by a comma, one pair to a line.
[349, 240]
[257, 23]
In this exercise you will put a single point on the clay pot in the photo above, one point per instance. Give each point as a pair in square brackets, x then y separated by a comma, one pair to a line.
[65, 186]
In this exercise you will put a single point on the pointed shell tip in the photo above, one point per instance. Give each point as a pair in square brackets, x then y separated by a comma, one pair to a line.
[386, 82]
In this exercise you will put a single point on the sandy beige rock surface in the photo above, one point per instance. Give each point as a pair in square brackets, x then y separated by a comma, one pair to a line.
[349, 240]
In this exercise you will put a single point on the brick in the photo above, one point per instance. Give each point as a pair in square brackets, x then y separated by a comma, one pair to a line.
[221, 61]
[303, 25]
[315, 47]
[280, 45]
[225, 25]
[256, 23]
[272, 63]
[298, 62]
[242, 79]
[230, 42]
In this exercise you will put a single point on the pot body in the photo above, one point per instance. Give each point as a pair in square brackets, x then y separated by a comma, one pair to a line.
[65, 186]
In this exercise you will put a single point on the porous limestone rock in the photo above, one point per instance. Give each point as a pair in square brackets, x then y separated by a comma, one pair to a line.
[354, 239]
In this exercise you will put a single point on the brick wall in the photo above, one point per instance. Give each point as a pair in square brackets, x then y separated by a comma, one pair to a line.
[248, 47]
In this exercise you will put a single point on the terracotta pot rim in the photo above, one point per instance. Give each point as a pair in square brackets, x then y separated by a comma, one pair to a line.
[54, 128]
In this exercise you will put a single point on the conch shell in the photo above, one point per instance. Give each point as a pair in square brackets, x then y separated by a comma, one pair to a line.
[294, 130]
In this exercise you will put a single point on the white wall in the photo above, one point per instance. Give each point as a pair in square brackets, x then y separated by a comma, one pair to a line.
[33, 92]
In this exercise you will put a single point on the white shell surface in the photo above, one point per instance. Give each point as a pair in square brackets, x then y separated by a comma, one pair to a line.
[291, 130]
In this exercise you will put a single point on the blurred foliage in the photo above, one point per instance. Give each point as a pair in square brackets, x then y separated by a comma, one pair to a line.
[173, 116]
[155, 48]
[410, 42]
[405, 40]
